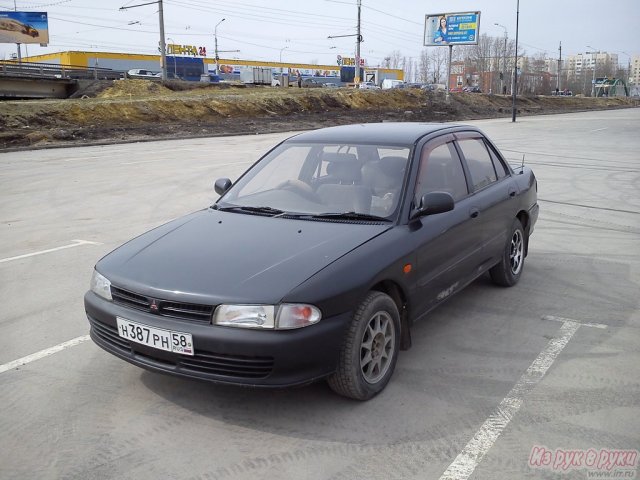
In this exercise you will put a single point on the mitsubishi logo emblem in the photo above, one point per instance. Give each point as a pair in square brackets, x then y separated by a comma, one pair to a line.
[153, 307]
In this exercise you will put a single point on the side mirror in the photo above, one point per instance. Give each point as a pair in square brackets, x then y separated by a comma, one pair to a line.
[432, 203]
[222, 185]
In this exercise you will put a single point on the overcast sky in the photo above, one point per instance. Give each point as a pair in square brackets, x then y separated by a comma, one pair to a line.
[262, 29]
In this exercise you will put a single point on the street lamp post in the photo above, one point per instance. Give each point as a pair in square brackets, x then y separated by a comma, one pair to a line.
[215, 37]
[504, 58]
[175, 66]
[628, 72]
[280, 61]
[594, 60]
[515, 67]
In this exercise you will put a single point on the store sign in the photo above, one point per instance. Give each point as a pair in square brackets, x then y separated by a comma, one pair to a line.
[24, 27]
[186, 50]
[349, 61]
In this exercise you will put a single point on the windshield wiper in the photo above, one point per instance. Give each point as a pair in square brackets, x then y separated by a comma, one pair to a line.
[350, 216]
[242, 208]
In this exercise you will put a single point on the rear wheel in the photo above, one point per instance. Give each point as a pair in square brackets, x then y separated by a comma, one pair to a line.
[370, 349]
[508, 271]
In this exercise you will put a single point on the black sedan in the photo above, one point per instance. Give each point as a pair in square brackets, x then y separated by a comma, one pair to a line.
[317, 260]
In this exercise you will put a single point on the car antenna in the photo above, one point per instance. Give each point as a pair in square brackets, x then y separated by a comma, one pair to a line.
[522, 166]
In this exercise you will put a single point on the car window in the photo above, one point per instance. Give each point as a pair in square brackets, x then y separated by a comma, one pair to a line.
[501, 168]
[479, 162]
[325, 178]
[273, 174]
[441, 171]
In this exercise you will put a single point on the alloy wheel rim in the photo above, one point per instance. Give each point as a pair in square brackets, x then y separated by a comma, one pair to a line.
[516, 253]
[377, 347]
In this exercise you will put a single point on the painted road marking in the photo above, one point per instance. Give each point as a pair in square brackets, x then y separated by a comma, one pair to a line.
[77, 243]
[471, 455]
[599, 129]
[43, 353]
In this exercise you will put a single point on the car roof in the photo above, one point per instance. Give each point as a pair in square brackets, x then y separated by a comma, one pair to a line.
[389, 133]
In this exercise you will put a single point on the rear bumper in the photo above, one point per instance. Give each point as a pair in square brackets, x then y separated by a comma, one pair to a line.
[223, 354]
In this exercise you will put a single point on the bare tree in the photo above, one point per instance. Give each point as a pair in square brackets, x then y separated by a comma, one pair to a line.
[423, 67]
[393, 59]
[438, 62]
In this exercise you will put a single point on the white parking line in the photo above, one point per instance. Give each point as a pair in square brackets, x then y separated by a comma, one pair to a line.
[471, 455]
[599, 129]
[43, 353]
[77, 243]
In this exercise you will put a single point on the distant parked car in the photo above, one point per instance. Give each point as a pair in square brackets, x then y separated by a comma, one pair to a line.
[330, 85]
[368, 86]
[311, 83]
[141, 73]
[472, 89]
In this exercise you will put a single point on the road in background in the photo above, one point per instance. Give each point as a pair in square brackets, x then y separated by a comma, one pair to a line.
[81, 413]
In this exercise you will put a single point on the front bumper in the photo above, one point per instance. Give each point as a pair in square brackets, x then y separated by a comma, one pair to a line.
[225, 354]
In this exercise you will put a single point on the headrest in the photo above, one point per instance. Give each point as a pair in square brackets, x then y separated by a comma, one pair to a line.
[339, 157]
[393, 166]
[345, 172]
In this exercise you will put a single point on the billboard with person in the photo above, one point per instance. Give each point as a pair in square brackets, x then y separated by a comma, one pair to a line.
[452, 29]
[24, 27]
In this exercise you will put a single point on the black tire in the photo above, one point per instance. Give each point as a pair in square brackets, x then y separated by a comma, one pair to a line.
[370, 349]
[508, 271]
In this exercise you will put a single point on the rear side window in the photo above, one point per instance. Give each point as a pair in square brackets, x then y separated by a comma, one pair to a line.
[479, 162]
[501, 169]
[441, 171]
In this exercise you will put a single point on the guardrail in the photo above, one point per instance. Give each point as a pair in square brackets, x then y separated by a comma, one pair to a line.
[48, 70]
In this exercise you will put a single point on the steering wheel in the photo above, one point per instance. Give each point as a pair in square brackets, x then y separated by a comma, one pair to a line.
[301, 188]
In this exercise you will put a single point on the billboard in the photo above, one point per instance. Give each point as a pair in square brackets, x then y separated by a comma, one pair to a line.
[24, 27]
[451, 29]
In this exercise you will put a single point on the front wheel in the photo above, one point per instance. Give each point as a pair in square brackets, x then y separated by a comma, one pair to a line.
[508, 271]
[370, 349]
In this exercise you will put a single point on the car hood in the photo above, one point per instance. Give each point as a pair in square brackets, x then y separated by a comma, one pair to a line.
[212, 256]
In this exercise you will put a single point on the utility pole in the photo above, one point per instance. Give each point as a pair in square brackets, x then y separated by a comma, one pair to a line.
[504, 58]
[515, 67]
[594, 60]
[215, 37]
[15, 8]
[162, 44]
[356, 78]
[559, 67]
[358, 35]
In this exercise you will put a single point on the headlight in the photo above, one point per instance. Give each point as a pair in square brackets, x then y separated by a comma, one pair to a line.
[245, 316]
[100, 285]
[286, 316]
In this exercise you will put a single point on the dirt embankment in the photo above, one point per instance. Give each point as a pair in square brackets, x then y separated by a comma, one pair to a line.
[139, 110]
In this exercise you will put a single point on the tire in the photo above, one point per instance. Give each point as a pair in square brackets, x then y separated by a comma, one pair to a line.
[370, 349]
[508, 271]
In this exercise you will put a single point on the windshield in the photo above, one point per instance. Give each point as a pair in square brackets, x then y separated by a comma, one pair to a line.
[312, 179]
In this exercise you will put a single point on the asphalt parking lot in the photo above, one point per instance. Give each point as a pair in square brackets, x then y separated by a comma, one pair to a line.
[493, 374]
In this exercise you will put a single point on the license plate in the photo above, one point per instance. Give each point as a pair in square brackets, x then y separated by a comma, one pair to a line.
[168, 340]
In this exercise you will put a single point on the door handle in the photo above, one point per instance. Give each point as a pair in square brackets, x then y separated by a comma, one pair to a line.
[474, 212]
[512, 192]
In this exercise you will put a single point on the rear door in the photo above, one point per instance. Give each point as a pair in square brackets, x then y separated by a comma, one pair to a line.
[494, 191]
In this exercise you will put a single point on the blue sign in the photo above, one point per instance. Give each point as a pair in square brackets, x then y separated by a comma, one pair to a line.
[452, 29]
[24, 27]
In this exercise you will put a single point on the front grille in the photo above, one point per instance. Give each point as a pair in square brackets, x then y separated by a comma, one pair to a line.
[166, 308]
[202, 362]
[228, 365]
